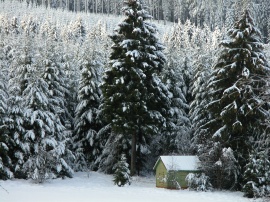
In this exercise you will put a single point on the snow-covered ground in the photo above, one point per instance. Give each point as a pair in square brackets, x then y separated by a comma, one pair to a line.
[98, 187]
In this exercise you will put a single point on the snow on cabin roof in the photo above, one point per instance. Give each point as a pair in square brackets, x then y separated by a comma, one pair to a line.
[188, 163]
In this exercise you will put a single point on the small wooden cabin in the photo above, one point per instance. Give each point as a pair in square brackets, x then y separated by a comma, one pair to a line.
[171, 171]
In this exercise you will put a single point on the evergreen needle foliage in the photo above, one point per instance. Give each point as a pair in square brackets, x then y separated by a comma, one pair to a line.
[257, 175]
[135, 101]
[235, 107]
[122, 172]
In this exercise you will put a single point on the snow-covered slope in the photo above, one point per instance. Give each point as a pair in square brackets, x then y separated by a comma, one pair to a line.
[62, 17]
[98, 187]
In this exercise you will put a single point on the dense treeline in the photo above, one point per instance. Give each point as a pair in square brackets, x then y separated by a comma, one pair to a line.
[76, 95]
[213, 13]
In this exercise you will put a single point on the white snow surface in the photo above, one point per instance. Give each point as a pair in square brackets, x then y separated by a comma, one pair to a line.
[98, 187]
[180, 162]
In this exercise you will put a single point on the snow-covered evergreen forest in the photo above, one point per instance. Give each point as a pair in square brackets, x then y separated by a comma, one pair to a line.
[79, 90]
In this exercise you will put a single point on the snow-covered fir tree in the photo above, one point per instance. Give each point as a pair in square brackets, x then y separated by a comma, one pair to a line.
[87, 122]
[5, 160]
[256, 175]
[176, 138]
[235, 108]
[121, 175]
[20, 148]
[54, 73]
[6, 140]
[111, 148]
[78, 31]
[198, 114]
[185, 48]
[22, 60]
[135, 101]
[30, 25]
[43, 102]
[14, 26]
[49, 30]
[44, 128]
[70, 63]
[206, 56]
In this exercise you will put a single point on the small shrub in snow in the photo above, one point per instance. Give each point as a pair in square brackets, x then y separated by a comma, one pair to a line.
[122, 172]
[198, 182]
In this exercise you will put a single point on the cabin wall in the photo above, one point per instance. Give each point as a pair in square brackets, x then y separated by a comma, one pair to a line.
[171, 179]
[161, 174]
[177, 179]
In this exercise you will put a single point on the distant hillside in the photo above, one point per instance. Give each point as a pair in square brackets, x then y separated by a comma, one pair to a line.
[63, 17]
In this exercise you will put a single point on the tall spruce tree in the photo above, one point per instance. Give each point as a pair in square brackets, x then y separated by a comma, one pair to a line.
[135, 100]
[44, 128]
[206, 56]
[198, 114]
[87, 123]
[22, 60]
[44, 122]
[6, 140]
[50, 58]
[235, 108]
[176, 138]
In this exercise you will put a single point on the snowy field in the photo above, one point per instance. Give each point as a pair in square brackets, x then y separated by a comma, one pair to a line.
[99, 188]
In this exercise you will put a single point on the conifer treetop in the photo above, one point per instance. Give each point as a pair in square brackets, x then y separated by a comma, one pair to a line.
[135, 35]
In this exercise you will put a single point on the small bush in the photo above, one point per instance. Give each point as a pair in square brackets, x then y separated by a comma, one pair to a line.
[198, 182]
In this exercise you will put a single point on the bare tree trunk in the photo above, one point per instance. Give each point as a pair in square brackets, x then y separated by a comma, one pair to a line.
[158, 11]
[152, 6]
[78, 9]
[108, 8]
[115, 11]
[133, 155]
[86, 6]
[102, 6]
